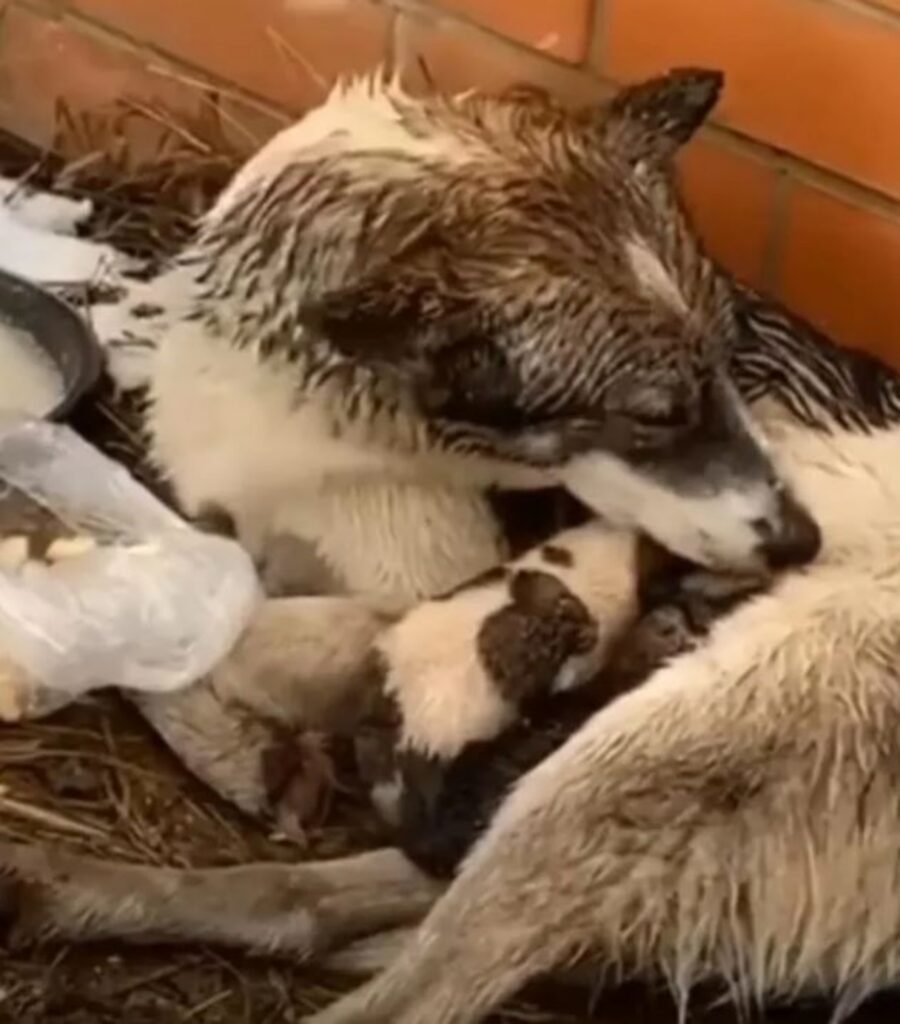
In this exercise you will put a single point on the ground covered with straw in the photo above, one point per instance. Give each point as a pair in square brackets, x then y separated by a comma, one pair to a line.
[95, 779]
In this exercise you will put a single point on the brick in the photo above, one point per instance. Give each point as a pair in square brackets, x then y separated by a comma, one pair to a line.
[817, 79]
[731, 199]
[841, 267]
[460, 57]
[288, 51]
[45, 62]
[560, 28]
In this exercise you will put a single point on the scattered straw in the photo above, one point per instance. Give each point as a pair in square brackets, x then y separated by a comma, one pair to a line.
[48, 819]
[297, 59]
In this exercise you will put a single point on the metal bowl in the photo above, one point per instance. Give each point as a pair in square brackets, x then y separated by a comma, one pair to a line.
[59, 331]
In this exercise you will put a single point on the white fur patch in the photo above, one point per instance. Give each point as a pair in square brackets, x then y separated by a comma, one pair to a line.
[435, 673]
[714, 531]
[228, 430]
[847, 480]
[359, 115]
[446, 697]
[653, 277]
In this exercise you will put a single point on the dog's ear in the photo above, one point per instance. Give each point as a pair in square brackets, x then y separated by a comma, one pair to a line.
[648, 122]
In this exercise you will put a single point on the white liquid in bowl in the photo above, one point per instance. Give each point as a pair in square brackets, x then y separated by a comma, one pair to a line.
[30, 383]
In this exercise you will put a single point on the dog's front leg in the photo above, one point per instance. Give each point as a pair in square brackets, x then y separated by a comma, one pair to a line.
[303, 909]
[254, 728]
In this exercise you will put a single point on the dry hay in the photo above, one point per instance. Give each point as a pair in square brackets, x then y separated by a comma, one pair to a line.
[95, 779]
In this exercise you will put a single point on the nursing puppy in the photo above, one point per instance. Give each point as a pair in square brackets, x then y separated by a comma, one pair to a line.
[440, 803]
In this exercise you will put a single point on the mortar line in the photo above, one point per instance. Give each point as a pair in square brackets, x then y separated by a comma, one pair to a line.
[773, 253]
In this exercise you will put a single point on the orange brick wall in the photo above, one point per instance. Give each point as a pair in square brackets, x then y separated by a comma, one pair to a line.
[796, 184]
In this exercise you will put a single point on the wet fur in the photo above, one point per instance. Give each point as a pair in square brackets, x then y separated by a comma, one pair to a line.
[460, 668]
[444, 806]
[736, 816]
[400, 306]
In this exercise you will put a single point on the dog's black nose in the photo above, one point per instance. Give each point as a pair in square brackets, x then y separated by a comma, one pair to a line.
[794, 539]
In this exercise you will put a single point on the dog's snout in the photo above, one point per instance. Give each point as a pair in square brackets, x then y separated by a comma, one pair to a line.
[791, 537]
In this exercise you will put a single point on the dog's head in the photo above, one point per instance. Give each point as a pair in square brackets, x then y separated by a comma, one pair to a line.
[524, 280]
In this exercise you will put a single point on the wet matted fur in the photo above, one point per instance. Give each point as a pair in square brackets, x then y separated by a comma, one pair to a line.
[737, 815]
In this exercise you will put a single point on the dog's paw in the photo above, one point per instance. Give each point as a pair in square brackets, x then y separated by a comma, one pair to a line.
[299, 779]
[26, 876]
[252, 729]
[266, 768]
[12, 893]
